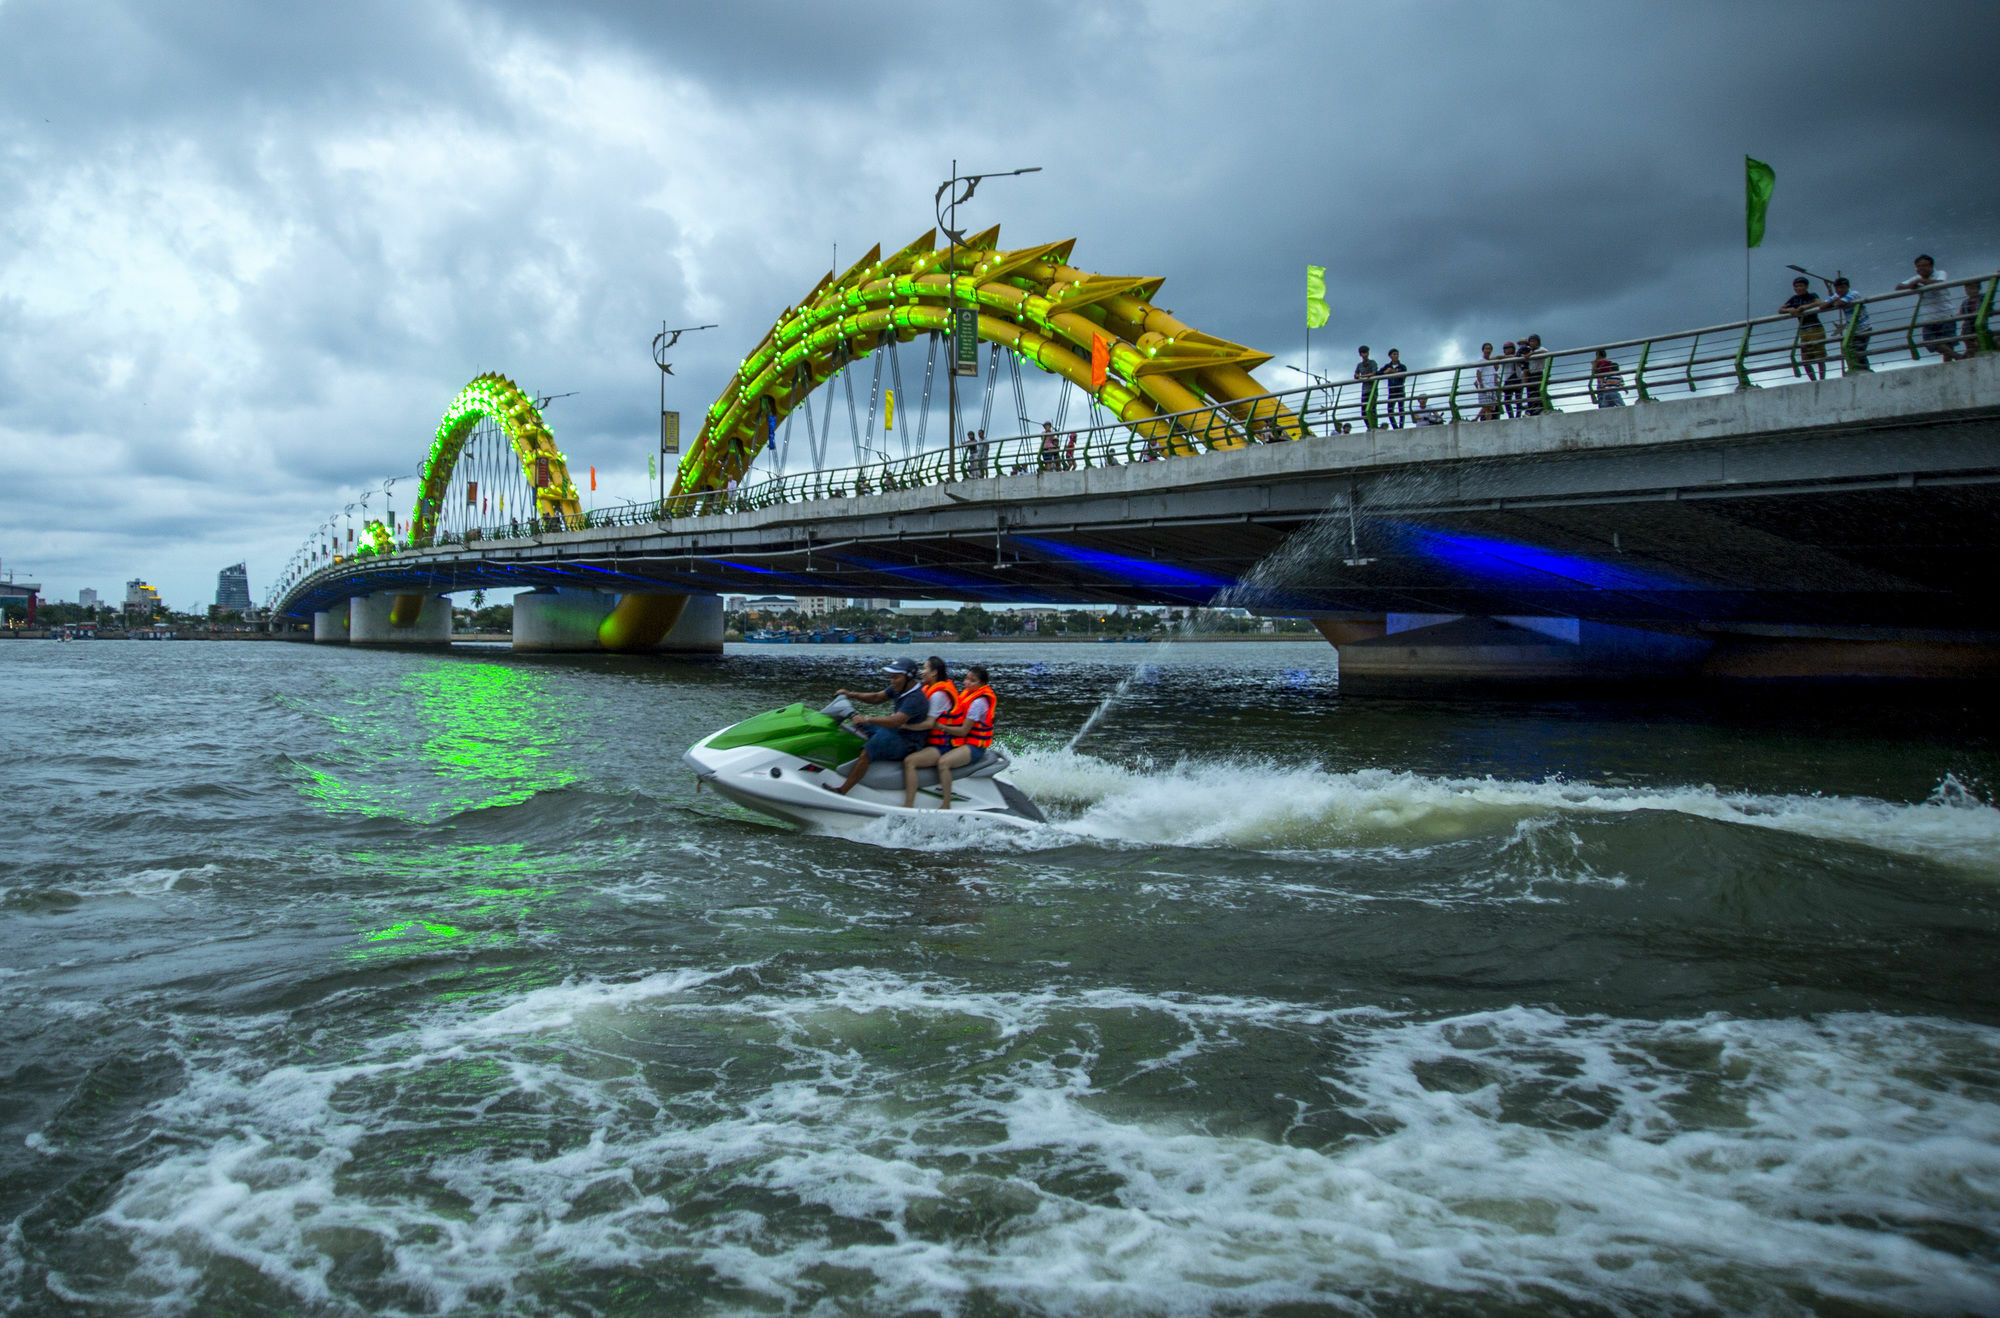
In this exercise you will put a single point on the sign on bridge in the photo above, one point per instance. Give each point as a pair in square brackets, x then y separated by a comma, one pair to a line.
[965, 341]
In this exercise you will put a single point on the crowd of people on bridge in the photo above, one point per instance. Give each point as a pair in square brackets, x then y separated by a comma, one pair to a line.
[1509, 381]
[1513, 382]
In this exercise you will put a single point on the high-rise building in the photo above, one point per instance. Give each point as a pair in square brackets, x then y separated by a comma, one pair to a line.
[232, 588]
[86, 598]
[141, 598]
[817, 606]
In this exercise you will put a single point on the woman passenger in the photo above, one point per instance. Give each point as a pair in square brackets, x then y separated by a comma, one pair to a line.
[958, 740]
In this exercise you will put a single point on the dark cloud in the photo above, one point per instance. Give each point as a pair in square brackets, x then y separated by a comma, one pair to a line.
[248, 253]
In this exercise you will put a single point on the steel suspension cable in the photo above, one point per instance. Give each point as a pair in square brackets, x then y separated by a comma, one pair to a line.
[896, 383]
[992, 372]
[1020, 397]
[930, 369]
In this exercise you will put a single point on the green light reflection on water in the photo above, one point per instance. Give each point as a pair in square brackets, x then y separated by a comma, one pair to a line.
[486, 731]
[483, 912]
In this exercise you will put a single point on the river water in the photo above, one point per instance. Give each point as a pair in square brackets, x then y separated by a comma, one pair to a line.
[346, 982]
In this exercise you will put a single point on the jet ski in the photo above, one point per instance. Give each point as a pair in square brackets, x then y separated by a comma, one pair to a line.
[781, 764]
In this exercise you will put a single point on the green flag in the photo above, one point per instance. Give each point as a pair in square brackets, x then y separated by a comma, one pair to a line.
[1758, 180]
[652, 473]
[1315, 296]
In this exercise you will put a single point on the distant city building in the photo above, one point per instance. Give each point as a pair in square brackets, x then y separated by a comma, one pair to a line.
[232, 588]
[817, 606]
[734, 603]
[770, 604]
[874, 606]
[86, 598]
[19, 594]
[141, 598]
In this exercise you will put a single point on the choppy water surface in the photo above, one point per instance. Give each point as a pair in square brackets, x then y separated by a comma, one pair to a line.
[340, 982]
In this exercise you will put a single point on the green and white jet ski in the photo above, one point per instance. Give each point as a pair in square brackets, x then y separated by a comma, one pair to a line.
[781, 764]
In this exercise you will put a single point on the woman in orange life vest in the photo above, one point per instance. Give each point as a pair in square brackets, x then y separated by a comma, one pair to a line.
[941, 694]
[959, 739]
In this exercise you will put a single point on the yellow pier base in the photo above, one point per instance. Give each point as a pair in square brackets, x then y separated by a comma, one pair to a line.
[639, 621]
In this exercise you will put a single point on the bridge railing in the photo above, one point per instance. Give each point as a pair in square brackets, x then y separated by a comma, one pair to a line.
[1893, 330]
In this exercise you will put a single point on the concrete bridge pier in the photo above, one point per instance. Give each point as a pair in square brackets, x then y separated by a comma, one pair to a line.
[1435, 654]
[400, 620]
[561, 620]
[698, 629]
[330, 626]
[1441, 654]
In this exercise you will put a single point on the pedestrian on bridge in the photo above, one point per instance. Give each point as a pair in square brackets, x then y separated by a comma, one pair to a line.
[1393, 371]
[1607, 386]
[1847, 305]
[1801, 306]
[1510, 377]
[1486, 382]
[1935, 312]
[1364, 375]
[1534, 362]
[1969, 327]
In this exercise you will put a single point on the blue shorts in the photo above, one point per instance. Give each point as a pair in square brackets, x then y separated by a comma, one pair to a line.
[1940, 329]
[888, 744]
[978, 754]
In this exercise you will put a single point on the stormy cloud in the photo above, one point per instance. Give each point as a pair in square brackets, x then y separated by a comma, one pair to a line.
[249, 252]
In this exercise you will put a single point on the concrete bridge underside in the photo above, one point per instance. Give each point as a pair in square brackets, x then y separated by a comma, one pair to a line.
[1865, 508]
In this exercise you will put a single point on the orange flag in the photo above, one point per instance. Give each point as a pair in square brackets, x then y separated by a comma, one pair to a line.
[1100, 360]
[593, 478]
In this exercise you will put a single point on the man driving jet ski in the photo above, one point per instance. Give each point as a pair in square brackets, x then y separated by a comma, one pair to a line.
[888, 738]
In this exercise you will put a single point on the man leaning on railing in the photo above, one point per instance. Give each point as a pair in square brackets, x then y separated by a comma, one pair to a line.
[1937, 317]
[1848, 306]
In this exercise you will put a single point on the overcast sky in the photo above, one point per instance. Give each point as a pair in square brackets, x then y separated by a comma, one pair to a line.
[248, 252]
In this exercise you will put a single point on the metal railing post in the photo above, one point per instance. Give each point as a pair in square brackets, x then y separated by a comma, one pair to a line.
[1639, 374]
[1456, 373]
[1743, 351]
[1847, 340]
[1542, 385]
[1369, 396]
[1910, 335]
[1983, 327]
[1693, 349]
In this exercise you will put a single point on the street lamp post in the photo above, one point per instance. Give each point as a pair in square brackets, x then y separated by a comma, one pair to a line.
[662, 341]
[947, 217]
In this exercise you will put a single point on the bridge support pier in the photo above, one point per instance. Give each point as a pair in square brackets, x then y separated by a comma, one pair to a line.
[1435, 654]
[580, 621]
[330, 627]
[399, 620]
[698, 629]
[1443, 654]
[559, 621]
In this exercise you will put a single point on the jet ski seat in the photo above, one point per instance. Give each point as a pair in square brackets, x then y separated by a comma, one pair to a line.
[889, 777]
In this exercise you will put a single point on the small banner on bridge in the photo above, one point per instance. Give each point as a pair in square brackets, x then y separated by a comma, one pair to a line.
[965, 341]
[670, 433]
[541, 473]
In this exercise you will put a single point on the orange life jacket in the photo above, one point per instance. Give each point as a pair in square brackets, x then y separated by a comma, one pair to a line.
[980, 733]
[939, 737]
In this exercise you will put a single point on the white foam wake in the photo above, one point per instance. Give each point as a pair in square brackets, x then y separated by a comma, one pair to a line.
[1008, 1145]
[1259, 805]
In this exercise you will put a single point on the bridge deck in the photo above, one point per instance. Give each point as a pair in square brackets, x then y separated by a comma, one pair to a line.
[1872, 499]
